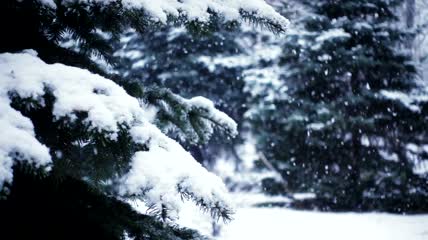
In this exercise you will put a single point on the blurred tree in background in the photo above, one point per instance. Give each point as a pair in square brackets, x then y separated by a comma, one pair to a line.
[190, 63]
[351, 129]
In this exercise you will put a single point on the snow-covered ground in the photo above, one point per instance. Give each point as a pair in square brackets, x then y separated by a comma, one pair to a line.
[285, 224]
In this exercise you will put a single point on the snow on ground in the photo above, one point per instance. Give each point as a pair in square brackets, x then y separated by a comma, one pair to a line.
[280, 223]
[286, 224]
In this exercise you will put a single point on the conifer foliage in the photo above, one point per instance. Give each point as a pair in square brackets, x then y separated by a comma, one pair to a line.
[80, 140]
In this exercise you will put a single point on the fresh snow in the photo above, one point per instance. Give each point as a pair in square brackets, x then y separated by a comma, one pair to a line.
[281, 223]
[257, 53]
[17, 138]
[166, 173]
[160, 175]
[212, 114]
[415, 153]
[199, 10]
[388, 156]
[315, 126]
[331, 34]
[76, 90]
[410, 100]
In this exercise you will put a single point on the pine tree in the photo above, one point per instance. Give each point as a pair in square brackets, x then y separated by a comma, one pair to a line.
[78, 141]
[351, 117]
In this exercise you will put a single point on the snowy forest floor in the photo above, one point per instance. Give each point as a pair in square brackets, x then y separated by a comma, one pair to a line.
[286, 224]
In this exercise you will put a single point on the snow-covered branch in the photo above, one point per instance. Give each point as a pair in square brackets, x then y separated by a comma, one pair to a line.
[160, 174]
[196, 10]
[192, 120]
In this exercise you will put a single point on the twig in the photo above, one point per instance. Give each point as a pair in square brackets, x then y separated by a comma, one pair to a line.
[269, 165]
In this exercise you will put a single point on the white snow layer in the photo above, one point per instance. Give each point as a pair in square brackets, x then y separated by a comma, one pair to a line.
[159, 174]
[331, 34]
[166, 172]
[199, 10]
[212, 113]
[280, 223]
[17, 140]
[409, 100]
[285, 224]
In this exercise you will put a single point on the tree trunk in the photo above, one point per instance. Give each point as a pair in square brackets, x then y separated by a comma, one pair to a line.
[410, 13]
[356, 190]
[355, 174]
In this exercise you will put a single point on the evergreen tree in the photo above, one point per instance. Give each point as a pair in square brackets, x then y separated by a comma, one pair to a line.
[75, 145]
[351, 128]
[189, 63]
